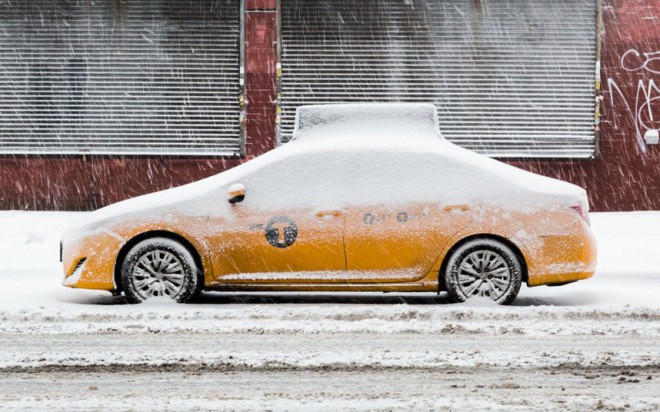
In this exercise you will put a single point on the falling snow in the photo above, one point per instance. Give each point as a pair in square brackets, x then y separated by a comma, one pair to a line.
[106, 100]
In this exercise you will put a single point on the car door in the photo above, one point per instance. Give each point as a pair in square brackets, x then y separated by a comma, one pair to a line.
[397, 231]
[287, 229]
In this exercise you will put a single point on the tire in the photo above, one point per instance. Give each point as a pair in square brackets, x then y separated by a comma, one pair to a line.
[159, 267]
[483, 267]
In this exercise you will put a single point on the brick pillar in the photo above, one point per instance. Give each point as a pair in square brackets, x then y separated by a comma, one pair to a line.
[260, 76]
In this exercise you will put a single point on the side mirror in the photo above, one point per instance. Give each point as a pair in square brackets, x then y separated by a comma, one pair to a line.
[236, 193]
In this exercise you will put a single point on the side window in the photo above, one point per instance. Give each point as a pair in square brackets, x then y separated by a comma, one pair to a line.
[390, 177]
[299, 181]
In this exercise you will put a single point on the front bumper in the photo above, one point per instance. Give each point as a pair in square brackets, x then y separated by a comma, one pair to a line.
[89, 263]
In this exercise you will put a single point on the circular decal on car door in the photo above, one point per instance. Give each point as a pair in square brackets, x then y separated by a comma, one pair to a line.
[281, 232]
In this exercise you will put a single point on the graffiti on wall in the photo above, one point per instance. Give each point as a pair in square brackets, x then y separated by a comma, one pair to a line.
[646, 99]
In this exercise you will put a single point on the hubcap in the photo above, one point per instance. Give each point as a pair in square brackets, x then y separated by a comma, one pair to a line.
[158, 273]
[484, 273]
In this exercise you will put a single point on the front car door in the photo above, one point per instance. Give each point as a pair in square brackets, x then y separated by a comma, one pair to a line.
[287, 229]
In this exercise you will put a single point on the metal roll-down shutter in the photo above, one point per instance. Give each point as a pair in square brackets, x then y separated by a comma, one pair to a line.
[510, 78]
[119, 77]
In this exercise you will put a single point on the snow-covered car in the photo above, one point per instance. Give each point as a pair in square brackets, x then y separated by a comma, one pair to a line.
[364, 198]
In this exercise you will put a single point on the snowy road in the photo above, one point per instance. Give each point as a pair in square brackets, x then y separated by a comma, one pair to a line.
[406, 370]
[591, 345]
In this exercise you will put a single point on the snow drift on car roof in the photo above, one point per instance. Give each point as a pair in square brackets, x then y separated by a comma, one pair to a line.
[367, 120]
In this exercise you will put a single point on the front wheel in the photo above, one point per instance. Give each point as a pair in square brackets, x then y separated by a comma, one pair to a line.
[486, 268]
[159, 268]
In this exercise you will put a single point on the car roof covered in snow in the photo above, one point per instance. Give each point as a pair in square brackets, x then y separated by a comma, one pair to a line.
[394, 151]
[367, 120]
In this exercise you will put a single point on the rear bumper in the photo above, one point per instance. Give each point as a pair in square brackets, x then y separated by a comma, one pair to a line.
[565, 258]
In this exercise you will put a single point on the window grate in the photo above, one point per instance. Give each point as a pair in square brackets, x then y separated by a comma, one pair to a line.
[509, 78]
[107, 77]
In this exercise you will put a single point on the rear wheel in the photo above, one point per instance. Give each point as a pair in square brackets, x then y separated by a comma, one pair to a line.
[159, 268]
[485, 268]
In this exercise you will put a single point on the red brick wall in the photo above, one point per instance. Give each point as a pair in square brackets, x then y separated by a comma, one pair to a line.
[260, 75]
[44, 183]
[626, 176]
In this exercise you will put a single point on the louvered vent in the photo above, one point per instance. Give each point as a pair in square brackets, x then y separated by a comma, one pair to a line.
[510, 78]
[119, 77]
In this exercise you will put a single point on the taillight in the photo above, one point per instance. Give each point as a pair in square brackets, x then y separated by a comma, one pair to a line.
[582, 211]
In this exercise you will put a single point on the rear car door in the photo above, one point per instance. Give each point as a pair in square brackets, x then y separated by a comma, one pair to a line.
[404, 219]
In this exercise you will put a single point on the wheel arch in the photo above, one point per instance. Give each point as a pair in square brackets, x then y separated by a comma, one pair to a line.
[153, 234]
[505, 241]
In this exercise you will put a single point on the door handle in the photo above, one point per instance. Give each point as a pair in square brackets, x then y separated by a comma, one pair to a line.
[329, 213]
[462, 208]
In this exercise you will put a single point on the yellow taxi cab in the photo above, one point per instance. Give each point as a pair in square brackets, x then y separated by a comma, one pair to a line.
[364, 198]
